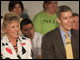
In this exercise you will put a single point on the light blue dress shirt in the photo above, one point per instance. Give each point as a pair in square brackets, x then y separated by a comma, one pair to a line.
[63, 35]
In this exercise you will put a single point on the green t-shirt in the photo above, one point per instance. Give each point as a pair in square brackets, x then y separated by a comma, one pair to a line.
[44, 23]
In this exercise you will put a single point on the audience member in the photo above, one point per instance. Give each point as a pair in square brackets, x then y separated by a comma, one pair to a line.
[27, 29]
[54, 44]
[76, 21]
[46, 20]
[14, 46]
[14, 6]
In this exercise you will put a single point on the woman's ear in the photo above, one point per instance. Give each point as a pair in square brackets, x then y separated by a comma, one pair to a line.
[58, 20]
[4, 30]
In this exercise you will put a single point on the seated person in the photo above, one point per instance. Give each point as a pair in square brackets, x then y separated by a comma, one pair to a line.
[27, 29]
[76, 21]
[14, 46]
[46, 20]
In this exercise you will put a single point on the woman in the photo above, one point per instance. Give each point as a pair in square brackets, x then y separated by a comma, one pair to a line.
[12, 45]
[76, 21]
[17, 7]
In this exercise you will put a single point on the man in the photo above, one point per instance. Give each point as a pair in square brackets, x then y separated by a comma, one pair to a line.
[27, 29]
[53, 43]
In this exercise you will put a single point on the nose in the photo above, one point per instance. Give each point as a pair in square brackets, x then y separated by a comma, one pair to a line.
[76, 22]
[17, 29]
[70, 20]
[29, 31]
[17, 8]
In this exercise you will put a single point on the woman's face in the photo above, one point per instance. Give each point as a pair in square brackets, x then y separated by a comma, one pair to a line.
[12, 30]
[76, 22]
[17, 9]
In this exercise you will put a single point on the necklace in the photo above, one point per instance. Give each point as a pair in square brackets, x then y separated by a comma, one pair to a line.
[15, 47]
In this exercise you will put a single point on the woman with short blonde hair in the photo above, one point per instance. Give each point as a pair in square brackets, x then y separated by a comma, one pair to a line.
[14, 46]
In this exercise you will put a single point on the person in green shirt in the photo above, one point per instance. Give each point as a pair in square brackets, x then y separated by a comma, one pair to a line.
[46, 20]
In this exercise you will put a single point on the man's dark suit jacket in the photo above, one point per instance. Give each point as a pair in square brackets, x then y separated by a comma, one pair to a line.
[52, 45]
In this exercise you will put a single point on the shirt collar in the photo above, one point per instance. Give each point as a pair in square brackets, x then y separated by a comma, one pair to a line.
[63, 33]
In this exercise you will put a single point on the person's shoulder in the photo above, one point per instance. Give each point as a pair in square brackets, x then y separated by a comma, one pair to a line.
[39, 13]
[75, 32]
[26, 42]
[52, 32]
[3, 40]
[22, 38]
[37, 33]
[38, 16]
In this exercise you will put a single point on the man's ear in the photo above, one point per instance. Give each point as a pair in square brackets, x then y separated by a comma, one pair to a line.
[58, 20]
[45, 6]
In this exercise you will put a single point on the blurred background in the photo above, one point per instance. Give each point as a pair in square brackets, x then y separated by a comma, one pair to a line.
[31, 8]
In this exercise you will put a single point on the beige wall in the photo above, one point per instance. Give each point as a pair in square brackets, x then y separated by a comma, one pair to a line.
[33, 7]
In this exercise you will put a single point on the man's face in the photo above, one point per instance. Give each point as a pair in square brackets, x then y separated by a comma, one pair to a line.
[66, 21]
[28, 30]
